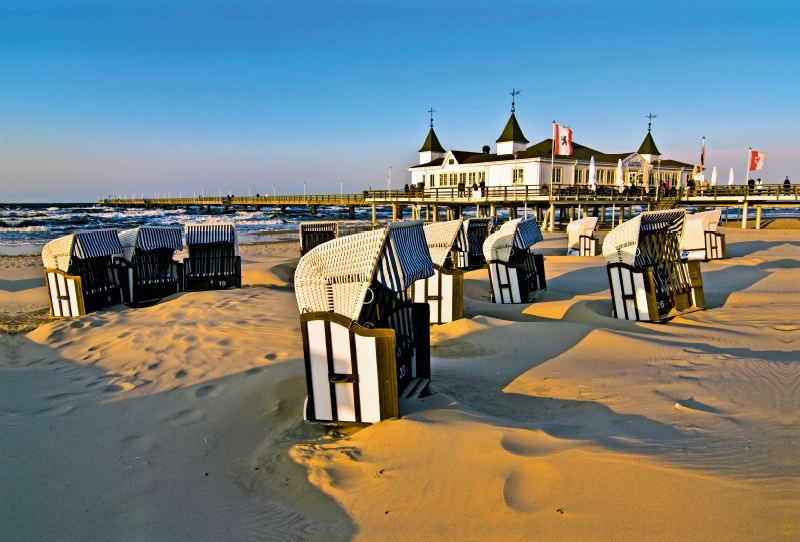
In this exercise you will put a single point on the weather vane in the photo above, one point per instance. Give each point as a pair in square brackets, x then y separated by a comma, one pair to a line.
[513, 94]
[431, 111]
[651, 117]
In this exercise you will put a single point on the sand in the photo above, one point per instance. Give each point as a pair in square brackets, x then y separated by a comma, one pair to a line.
[551, 421]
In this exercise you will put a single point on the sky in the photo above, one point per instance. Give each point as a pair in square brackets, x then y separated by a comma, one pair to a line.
[103, 97]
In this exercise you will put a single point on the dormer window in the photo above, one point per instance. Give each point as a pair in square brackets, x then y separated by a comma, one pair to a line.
[451, 161]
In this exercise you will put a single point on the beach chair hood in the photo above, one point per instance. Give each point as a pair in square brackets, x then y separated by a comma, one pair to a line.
[696, 227]
[576, 228]
[150, 238]
[219, 232]
[622, 244]
[444, 237]
[517, 234]
[58, 254]
[335, 276]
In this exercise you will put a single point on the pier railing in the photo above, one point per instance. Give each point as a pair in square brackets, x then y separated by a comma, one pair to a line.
[725, 195]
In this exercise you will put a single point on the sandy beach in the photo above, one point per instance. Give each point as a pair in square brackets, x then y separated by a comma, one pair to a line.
[548, 421]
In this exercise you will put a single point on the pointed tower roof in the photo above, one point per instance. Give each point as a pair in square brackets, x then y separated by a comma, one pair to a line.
[648, 146]
[432, 143]
[512, 132]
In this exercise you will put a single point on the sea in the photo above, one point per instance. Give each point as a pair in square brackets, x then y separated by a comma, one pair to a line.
[29, 225]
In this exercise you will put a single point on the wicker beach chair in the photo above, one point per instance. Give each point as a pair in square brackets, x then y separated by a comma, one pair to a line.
[649, 280]
[515, 272]
[213, 262]
[444, 291]
[80, 273]
[580, 237]
[363, 338]
[147, 255]
[700, 240]
[316, 233]
[477, 230]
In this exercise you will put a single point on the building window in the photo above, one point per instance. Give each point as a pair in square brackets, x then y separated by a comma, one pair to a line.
[557, 175]
[517, 176]
[579, 179]
[481, 176]
[451, 161]
[471, 177]
[462, 177]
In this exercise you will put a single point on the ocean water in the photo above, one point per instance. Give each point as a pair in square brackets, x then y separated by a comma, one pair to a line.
[36, 224]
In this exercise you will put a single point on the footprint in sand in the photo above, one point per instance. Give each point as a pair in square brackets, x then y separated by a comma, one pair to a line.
[530, 488]
[271, 356]
[253, 371]
[153, 366]
[207, 391]
[184, 417]
[181, 374]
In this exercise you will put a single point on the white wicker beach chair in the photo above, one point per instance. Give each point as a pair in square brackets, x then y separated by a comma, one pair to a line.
[580, 237]
[648, 278]
[444, 291]
[363, 338]
[80, 273]
[147, 254]
[701, 241]
[213, 262]
[316, 233]
[477, 230]
[515, 272]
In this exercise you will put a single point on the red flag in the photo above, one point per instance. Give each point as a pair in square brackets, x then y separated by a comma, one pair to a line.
[756, 160]
[562, 137]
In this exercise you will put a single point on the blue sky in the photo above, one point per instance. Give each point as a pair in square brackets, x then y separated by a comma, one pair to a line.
[145, 96]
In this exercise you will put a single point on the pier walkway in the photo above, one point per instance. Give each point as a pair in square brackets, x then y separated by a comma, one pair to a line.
[560, 204]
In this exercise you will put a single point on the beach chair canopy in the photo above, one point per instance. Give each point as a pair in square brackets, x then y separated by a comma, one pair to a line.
[576, 228]
[58, 254]
[694, 234]
[150, 238]
[335, 276]
[622, 244]
[477, 229]
[517, 234]
[444, 237]
[319, 227]
[205, 234]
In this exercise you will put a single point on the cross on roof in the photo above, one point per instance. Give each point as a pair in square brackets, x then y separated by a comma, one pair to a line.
[431, 111]
[513, 94]
[651, 117]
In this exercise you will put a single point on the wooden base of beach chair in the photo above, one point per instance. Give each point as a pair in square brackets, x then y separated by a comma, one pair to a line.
[353, 374]
[139, 289]
[634, 295]
[587, 246]
[715, 246]
[68, 296]
[196, 280]
[517, 283]
[444, 292]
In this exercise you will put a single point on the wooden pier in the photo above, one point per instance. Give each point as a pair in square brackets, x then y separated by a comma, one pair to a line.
[550, 206]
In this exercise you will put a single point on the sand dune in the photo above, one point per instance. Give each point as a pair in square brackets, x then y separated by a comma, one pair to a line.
[548, 421]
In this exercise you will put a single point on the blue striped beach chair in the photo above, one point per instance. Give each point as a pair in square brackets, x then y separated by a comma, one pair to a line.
[516, 273]
[444, 290]
[364, 339]
[148, 270]
[477, 230]
[80, 272]
[213, 261]
[649, 281]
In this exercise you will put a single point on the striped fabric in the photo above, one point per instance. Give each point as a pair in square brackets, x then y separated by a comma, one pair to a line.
[528, 233]
[203, 234]
[461, 244]
[442, 238]
[405, 258]
[621, 245]
[96, 243]
[477, 230]
[152, 237]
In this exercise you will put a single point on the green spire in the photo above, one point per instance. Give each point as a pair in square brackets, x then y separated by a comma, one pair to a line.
[432, 143]
[648, 145]
[512, 132]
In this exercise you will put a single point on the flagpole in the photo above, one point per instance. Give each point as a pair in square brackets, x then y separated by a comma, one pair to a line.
[746, 189]
[552, 155]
